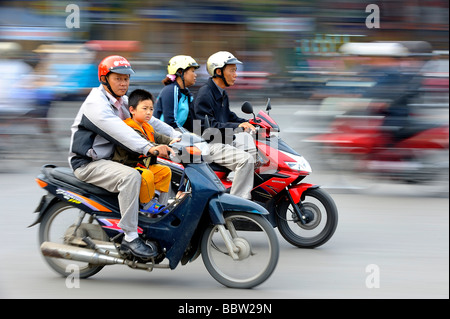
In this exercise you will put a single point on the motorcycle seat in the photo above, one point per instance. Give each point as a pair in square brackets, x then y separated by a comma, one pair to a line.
[65, 174]
[219, 168]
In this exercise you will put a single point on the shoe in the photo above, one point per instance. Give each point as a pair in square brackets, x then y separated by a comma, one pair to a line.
[139, 248]
[258, 162]
[153, 207]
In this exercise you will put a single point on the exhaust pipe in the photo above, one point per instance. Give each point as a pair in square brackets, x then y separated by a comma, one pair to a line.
[91, 256]
[55, 250]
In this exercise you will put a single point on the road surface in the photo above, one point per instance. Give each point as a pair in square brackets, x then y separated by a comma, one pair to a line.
[385, 246]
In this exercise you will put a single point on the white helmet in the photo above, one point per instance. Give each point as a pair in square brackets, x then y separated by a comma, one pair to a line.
[219, 60]
[181, 62]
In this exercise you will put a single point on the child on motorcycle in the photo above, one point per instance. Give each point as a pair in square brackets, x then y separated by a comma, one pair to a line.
[155, 177]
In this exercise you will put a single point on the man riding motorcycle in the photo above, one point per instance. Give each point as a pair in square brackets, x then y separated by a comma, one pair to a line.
[97, 128]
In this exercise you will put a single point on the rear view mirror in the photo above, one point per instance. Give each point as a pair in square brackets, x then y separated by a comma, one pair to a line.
[247, 108]
[268, 106]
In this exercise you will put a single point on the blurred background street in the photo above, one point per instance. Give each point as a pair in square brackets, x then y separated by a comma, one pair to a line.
[365, 92]
[367, 104]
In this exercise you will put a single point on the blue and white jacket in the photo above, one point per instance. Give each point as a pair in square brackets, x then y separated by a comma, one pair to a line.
[174, 107]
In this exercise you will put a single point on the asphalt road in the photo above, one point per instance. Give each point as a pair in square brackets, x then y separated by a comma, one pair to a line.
[385, 246]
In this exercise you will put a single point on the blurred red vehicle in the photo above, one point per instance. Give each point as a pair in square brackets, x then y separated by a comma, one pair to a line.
[368, 146]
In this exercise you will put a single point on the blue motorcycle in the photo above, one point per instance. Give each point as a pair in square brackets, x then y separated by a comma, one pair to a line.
[78, 225]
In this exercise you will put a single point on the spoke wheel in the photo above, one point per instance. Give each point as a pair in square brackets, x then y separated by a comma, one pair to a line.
[256, 256]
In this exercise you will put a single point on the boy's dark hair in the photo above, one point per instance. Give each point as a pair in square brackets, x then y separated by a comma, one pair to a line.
[137, 96]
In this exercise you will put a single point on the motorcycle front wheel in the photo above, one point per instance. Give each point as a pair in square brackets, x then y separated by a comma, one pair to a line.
[58, 226]
[321, 219]
[257, 250]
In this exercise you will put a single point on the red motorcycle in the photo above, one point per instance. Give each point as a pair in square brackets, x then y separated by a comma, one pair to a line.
[304, 213]
[416, 153]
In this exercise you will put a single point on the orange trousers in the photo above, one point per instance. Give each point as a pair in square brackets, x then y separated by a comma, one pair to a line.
[156, 177]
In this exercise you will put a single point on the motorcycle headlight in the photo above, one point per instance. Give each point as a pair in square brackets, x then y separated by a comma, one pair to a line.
[300, 164]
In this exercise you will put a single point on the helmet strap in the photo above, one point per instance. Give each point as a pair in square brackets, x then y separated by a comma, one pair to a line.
[106, 83]
[221, 76]
[181, 75]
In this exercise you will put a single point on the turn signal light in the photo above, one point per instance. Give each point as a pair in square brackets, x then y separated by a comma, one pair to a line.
[41, 183]
[194, 150]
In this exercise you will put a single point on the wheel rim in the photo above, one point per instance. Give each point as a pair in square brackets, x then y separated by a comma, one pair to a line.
[58, 229]
[255, 254]
[313, 228]
[321, 215]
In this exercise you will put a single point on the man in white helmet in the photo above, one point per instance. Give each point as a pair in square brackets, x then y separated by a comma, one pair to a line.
[212, 98]
[212, 102]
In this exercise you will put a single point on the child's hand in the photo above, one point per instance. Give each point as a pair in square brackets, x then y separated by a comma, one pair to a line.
[175, 140]
[161, 150]
[164, 151]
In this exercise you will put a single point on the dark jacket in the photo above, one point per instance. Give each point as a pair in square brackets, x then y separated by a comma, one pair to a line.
[174, 106]
[209, 101]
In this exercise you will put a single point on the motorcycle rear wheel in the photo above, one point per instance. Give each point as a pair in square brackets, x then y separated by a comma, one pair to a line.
[258, 251]
[59, 223]
[320, 207]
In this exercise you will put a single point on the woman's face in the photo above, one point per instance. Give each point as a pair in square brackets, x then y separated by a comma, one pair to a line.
[190, 77]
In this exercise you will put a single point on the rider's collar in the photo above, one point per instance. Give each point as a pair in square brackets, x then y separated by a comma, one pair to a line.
[219, 88]
[114, 101]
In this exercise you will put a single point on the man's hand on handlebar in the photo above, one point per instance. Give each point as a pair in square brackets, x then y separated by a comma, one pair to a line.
[247, 127]
[161, 150]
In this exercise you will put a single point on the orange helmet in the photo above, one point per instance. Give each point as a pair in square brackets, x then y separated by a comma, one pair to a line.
[116, 64]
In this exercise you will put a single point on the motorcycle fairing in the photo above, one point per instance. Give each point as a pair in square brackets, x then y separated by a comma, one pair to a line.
[267, 121]
[113, 224]
[297, 191]
[226, 203]
[89, 205]
[175, 230]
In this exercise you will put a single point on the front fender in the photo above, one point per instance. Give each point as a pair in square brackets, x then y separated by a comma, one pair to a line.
[296, 191]
[226, 203]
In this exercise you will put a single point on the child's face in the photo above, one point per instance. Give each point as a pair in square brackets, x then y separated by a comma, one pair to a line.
[143, 111]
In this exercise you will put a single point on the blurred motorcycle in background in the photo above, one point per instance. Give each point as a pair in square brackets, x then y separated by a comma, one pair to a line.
[388, 135]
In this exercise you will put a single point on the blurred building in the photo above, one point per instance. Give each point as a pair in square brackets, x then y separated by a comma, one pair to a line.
[273, 37]
[200, 27]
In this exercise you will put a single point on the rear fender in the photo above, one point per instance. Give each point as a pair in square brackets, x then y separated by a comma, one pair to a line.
[297, 191]
[226, 203]
[46, 202]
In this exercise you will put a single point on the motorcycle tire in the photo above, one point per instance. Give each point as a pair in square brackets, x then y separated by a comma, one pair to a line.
[319, 206]
[258, 251]
[59, 221]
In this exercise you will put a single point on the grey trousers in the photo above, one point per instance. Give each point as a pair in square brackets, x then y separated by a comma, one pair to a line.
[237, 160]
[244, 141]
[116, 178]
